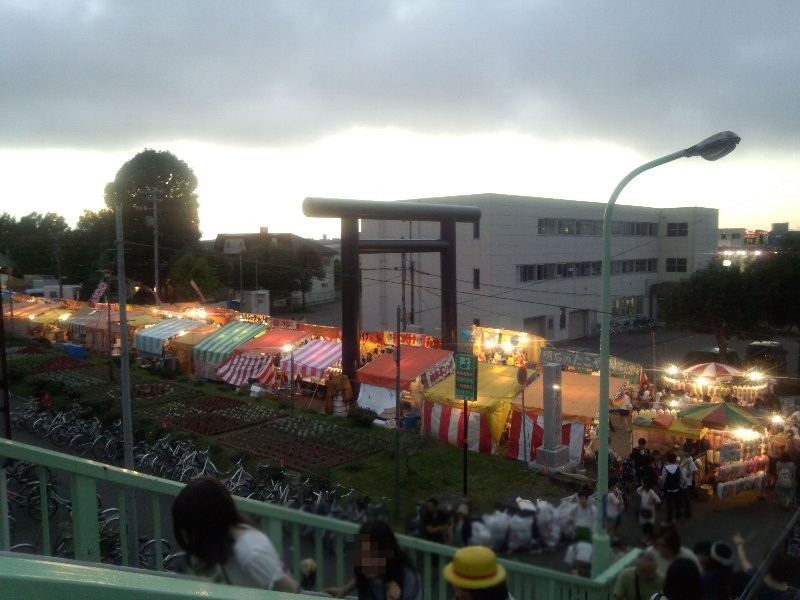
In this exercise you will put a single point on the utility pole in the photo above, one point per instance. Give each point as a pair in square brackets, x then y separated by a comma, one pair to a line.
[154, 195]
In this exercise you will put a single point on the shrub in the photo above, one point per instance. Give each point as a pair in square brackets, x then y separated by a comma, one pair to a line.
[363, 417]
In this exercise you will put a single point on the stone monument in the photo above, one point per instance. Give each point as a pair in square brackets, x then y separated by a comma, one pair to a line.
[552, 454]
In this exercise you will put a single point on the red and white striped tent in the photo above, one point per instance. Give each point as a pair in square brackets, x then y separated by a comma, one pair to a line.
[446, 423]
[524, 449]
[242, 369]
[253, 360]
[313, 359]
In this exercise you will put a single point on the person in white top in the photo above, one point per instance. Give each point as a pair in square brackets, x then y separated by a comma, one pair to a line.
[648, 499]
[582, 516]
[614, 506]
[220, 542]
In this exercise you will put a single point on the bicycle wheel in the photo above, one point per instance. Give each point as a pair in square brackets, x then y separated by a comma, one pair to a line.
[23, 548]
[99, 447]
[33, 502]
[59, 435]
[147, 553]
[80, 444]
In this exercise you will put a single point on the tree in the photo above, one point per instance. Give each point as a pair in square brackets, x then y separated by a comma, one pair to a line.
[155, 178]
[776, 277]
[90, 249]
[716, 299]
[35, 242]
[190, 267]
[308, 267]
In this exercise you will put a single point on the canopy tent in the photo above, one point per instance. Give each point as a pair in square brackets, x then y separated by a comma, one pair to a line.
[212, 351]
[54, 314]
[523, 447]
[252, 360]
[150, 340]
[713, 371]
[442, 414]
[243, 368]
[182, 346]
[723, 415]
[378, 378]
[580, 396]
[580, 403]
[272, 341]
[313, 359]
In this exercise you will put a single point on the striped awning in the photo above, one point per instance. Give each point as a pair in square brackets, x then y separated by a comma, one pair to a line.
[241, 369]
[217, 347]
[313, 359]
[150, 340]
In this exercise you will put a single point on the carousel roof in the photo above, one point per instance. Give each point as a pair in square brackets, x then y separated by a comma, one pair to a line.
[724, 415]
[713, 371]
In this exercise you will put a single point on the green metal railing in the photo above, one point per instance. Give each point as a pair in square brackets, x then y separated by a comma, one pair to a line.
[279, 523]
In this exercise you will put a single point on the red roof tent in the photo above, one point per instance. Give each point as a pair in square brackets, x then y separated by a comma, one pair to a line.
[414, 362]
[272, 342]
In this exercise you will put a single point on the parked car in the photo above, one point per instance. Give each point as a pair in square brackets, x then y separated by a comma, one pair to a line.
[696, 357]
[766, 355]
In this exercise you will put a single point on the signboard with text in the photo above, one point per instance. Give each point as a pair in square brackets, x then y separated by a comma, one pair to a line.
[466, 377]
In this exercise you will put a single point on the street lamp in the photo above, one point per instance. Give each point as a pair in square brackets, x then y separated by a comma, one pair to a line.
[711, 148]
[290, 348]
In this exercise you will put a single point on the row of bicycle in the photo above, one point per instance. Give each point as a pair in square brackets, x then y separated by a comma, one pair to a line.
[178, 460]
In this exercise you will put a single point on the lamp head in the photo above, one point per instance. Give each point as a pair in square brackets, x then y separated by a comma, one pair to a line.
[715, 147]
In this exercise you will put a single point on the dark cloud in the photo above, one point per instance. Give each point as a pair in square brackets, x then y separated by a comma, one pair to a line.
[115, 73]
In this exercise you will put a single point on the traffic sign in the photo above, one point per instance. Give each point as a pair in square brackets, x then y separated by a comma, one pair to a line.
[466, 377]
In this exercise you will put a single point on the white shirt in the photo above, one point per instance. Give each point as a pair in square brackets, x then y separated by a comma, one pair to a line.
[613, 505]
[583, 517]
[254, 562]
[648, 500]
[688, 469]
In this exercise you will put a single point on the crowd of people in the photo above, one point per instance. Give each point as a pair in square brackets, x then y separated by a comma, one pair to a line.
[222, 545]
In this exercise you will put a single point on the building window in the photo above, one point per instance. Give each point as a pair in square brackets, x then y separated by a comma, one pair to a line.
[676, 265]
[562, 318]
[548, 226]
[476, 322]
[677, 229]
[566, 226]
[476, 230]
[476, 279]
[736, 236]
[723, 235]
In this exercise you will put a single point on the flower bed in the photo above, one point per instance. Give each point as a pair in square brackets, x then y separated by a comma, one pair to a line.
[61, 363]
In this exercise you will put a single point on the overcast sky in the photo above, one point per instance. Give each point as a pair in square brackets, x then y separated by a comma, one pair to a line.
[272, 101]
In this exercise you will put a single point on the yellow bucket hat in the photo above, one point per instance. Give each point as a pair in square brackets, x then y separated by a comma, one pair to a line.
[474, 568]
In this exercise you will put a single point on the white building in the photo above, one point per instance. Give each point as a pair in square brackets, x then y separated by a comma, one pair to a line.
[533, 264]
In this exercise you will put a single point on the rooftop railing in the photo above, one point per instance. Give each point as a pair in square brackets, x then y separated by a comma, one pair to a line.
[284, 526]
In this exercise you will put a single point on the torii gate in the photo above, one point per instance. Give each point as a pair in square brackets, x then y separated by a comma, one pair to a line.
[350, 211]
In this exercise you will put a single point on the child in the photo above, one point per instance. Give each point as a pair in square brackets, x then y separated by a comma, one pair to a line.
[648, 500]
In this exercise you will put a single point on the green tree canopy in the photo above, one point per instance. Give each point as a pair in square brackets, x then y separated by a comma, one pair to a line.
[716, 299]
[155, 178]
[34, 243]
[190, 267]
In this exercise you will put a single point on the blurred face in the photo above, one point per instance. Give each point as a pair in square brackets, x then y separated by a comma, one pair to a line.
[583, 501]
[372, 559]
[430, 507]
[645, 567]
[461, 594]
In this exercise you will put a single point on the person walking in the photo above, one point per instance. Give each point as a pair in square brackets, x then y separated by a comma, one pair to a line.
[641, 459]
[221, 543]
[682, 582]
[785, 481]
[648, 500]
[688, 468]
[671, 486]
[640, 581]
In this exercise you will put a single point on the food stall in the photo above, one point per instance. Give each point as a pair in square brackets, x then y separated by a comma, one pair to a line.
[378, 377]
[212, 351]
[442, 415]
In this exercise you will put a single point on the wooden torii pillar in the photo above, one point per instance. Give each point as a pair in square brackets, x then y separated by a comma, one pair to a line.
[350, 211]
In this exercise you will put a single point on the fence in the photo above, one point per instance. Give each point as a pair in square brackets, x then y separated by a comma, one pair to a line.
[279, 523]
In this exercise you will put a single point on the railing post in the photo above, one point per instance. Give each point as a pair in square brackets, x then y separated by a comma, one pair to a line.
[5, 533]
[84, 519]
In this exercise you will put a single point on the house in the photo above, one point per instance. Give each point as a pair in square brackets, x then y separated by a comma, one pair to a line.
[246, 249]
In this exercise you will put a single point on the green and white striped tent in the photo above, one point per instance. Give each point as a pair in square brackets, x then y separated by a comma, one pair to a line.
[150, 339]
[213, 350]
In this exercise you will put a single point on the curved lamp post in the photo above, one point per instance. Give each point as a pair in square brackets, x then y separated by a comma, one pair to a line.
[712, 148]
